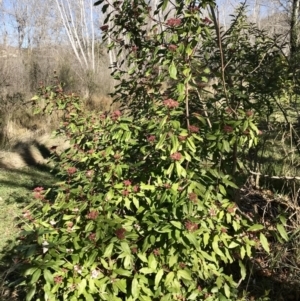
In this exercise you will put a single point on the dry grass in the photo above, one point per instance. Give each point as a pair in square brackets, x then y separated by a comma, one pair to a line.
[99, 103]
[18, 121]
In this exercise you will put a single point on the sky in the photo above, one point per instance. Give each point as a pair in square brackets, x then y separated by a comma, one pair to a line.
[226, 7]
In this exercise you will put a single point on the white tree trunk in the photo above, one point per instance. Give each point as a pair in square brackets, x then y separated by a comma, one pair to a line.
[78, 19]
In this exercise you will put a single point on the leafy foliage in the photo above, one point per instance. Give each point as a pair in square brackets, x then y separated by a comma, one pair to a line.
[137, 217]
[144, 210]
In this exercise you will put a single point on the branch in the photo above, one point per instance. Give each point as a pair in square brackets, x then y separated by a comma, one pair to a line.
[274, 177]
[219, 41]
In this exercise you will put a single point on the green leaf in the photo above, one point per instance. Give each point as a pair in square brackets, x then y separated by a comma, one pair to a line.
[180, 88]
[181, 172]
[205, 238]
[211, 137]
[232, 245]
[36, 275]
[173, 71]
[87, 296]
[31, 292]
[121, 284]
[104, 263]
[243, 269]
[206, 70]
[191, 145]
[170, 169]
[256, 227]
[215, 246]
[176, 224]
[187, 156]
[193, 295]
[193, 239]
[136, 202]
[142, 257]
[158, 277]
[249, 250]
[219, 282]
[81, 287]
[175, 143]
[161, 124]
[91, 258]
[188, 50]
[214, 289]
[104, 8]
[125, 248]
[184, 274]
[92, 287]
[147, 187]
[152, 262]
[122, 272]
[173, 259]
[229, 183]
[165, 4]
[128, 262]
[36, 97]
[98, 2]
[226, 146]
[282, 218]
[282, 232]
[222, 189]
[30, 271]
[48, 276]
[145, 298]
[264, 242]
[146, 271]
[253, 127]
[186, 71]
[108, 250]
[242, 252]
[169, 278]
[226, 290]
[135, 290]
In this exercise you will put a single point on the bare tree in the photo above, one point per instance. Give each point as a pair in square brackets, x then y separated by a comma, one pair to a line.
[283, 18]
[27, 23]
[79, 21]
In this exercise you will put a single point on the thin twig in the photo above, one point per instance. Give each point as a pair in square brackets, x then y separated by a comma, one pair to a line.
[275, 177]
[217, 27]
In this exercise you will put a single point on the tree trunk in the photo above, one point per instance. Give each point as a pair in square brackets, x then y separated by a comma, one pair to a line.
[294, 40]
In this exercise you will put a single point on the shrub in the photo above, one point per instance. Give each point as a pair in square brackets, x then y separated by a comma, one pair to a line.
[139, 214]
[144, 210]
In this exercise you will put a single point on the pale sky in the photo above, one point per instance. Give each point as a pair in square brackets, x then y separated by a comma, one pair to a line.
[226, 8]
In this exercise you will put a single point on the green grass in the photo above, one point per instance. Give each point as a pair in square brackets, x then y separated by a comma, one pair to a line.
[15, 193]
[278, 156]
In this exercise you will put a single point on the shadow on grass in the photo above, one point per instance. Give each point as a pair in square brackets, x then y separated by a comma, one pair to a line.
[34, 173]
[26, 153]
[19, 178]
[31, 153]
[16, 194]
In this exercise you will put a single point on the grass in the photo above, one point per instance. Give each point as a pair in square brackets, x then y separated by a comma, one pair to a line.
[15, 193]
